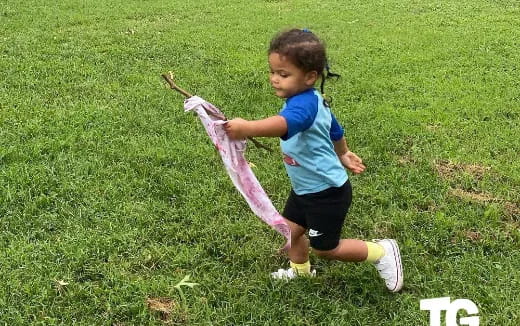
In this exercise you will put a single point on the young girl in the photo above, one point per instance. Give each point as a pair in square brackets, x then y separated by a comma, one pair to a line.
[315, 154]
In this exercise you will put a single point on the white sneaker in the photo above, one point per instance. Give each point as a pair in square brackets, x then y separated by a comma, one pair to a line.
[389, 266]
[289, 274]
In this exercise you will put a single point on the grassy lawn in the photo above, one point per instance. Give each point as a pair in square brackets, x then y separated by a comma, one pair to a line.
[110, 194]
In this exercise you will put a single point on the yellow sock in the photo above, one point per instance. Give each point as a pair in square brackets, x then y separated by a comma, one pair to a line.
[375, 252]
[302, 269]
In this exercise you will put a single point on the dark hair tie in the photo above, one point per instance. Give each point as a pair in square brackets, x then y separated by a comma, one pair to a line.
[329, 73]
[327, 76]
[327, 68]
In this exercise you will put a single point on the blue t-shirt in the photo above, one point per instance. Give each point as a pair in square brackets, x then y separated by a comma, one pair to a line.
[309, 156]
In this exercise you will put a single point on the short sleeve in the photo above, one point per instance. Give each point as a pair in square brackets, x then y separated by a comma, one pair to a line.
[299, 115]
[336, 132]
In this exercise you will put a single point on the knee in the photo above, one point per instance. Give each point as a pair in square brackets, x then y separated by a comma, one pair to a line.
[298, 237]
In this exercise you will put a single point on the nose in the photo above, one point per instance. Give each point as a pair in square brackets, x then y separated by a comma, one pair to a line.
[273, 79]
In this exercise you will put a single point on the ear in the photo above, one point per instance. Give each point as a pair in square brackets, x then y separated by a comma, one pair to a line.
[311, 77]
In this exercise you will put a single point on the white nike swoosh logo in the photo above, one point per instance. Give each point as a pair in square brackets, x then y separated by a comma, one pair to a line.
[314, 233]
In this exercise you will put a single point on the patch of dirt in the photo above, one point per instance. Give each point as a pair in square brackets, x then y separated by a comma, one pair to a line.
[512, 210]
[168, 310]
[405, 160]
[473, 235]
[448, 169]
[475, 196]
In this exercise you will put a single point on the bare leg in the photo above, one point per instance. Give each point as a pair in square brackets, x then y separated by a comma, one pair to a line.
[299, 251]
[350, 250]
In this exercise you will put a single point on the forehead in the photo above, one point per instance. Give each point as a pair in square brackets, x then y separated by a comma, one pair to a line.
[277, 61]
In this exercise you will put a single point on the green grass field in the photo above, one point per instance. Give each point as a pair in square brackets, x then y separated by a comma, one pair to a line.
[110, 194]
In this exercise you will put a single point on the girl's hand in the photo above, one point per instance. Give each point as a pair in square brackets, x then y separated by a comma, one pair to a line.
[236, 128]
[352, 162]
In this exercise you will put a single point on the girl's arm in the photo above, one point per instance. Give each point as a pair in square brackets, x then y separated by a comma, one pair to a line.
[340, 146]
[349, 160]
[274, 126]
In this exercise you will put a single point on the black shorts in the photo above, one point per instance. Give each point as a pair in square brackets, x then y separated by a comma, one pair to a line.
[322, 213]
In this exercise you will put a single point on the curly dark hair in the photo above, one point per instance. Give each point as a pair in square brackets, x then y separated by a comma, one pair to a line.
[302, 48]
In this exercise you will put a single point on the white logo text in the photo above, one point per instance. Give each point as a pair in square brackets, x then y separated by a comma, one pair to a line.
[437, 305]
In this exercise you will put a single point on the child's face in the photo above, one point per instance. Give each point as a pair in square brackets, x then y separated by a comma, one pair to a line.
[287, 79]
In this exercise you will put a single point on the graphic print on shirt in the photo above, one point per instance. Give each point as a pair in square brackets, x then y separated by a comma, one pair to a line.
[312, 129]
[289, 160]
